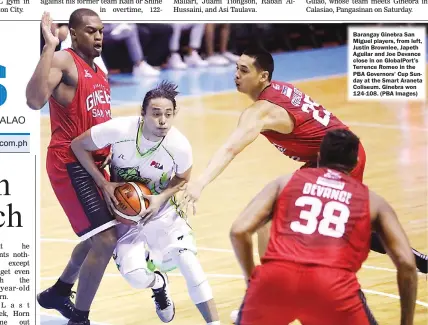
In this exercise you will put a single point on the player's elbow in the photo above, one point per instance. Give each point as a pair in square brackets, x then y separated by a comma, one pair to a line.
[237, 231]
[403, 258]
[406, 263]
[34, 101]
[76, 145]
[34, 104]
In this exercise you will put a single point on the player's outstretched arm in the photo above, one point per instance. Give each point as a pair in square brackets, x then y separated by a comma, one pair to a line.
[255, 215]
[397, 246]
[251, 123]
[48, 72]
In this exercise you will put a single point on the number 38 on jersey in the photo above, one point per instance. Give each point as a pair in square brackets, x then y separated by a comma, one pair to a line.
[327, 219]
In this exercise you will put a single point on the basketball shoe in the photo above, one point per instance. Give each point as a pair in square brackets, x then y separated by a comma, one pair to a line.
[165, 307]
[51, 299]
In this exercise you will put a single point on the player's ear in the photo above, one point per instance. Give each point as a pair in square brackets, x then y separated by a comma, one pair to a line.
[265, 76]
[72, 32]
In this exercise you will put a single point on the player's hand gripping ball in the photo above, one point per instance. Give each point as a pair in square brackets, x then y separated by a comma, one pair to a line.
[132, 206]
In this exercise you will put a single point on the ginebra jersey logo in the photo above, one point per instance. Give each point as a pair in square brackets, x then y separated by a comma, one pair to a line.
[95, 102]
[283, 151]
[332, 174]
[87, 74]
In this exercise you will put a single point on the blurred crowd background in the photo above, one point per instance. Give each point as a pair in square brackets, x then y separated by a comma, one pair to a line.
[145, 49]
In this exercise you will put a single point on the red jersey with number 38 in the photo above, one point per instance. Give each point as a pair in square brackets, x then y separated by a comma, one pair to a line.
[322, 217]
[311, 122]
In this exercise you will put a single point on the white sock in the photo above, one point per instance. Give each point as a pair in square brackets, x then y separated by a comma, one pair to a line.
[159, 282]
[217, 322]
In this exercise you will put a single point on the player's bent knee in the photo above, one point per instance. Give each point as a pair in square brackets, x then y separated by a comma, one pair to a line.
[201, 293]
[139, 278]
[197, 284]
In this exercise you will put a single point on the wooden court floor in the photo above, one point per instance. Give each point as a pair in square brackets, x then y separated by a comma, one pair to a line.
[395, 139]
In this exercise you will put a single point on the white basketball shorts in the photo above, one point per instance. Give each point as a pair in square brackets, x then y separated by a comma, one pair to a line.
[154, 242]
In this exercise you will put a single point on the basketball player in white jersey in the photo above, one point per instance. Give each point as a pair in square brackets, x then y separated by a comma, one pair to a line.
[148, 149]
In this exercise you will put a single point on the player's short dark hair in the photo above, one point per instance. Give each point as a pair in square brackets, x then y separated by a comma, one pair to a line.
[165, 89]
[77, 15]
[263, 60]
[339, 148]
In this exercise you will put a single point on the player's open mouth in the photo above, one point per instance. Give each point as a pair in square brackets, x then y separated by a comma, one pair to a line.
[98, 47]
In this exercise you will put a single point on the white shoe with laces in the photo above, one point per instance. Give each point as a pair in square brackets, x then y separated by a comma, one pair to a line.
[165, 307]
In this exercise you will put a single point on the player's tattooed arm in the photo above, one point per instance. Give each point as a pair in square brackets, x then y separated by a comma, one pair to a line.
[254, 216]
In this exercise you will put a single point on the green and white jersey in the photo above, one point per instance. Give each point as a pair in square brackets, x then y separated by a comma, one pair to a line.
[136, 159]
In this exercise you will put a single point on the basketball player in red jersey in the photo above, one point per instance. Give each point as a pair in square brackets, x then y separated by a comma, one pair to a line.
[289, 119]
[79, 98]
[320, 236]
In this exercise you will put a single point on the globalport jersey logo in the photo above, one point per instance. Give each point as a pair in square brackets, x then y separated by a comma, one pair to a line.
[3, 92]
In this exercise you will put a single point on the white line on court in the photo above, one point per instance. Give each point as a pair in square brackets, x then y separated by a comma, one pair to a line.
[379, 293]
[219, 250]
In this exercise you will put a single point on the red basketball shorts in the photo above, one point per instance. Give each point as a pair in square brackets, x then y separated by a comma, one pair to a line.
[357, 172]
[280, 293]
[79, 196]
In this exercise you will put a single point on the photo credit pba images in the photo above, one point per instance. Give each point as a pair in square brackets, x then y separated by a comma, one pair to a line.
[213, 162]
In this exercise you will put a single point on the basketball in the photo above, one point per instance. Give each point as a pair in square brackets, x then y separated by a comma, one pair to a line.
[130, 200]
